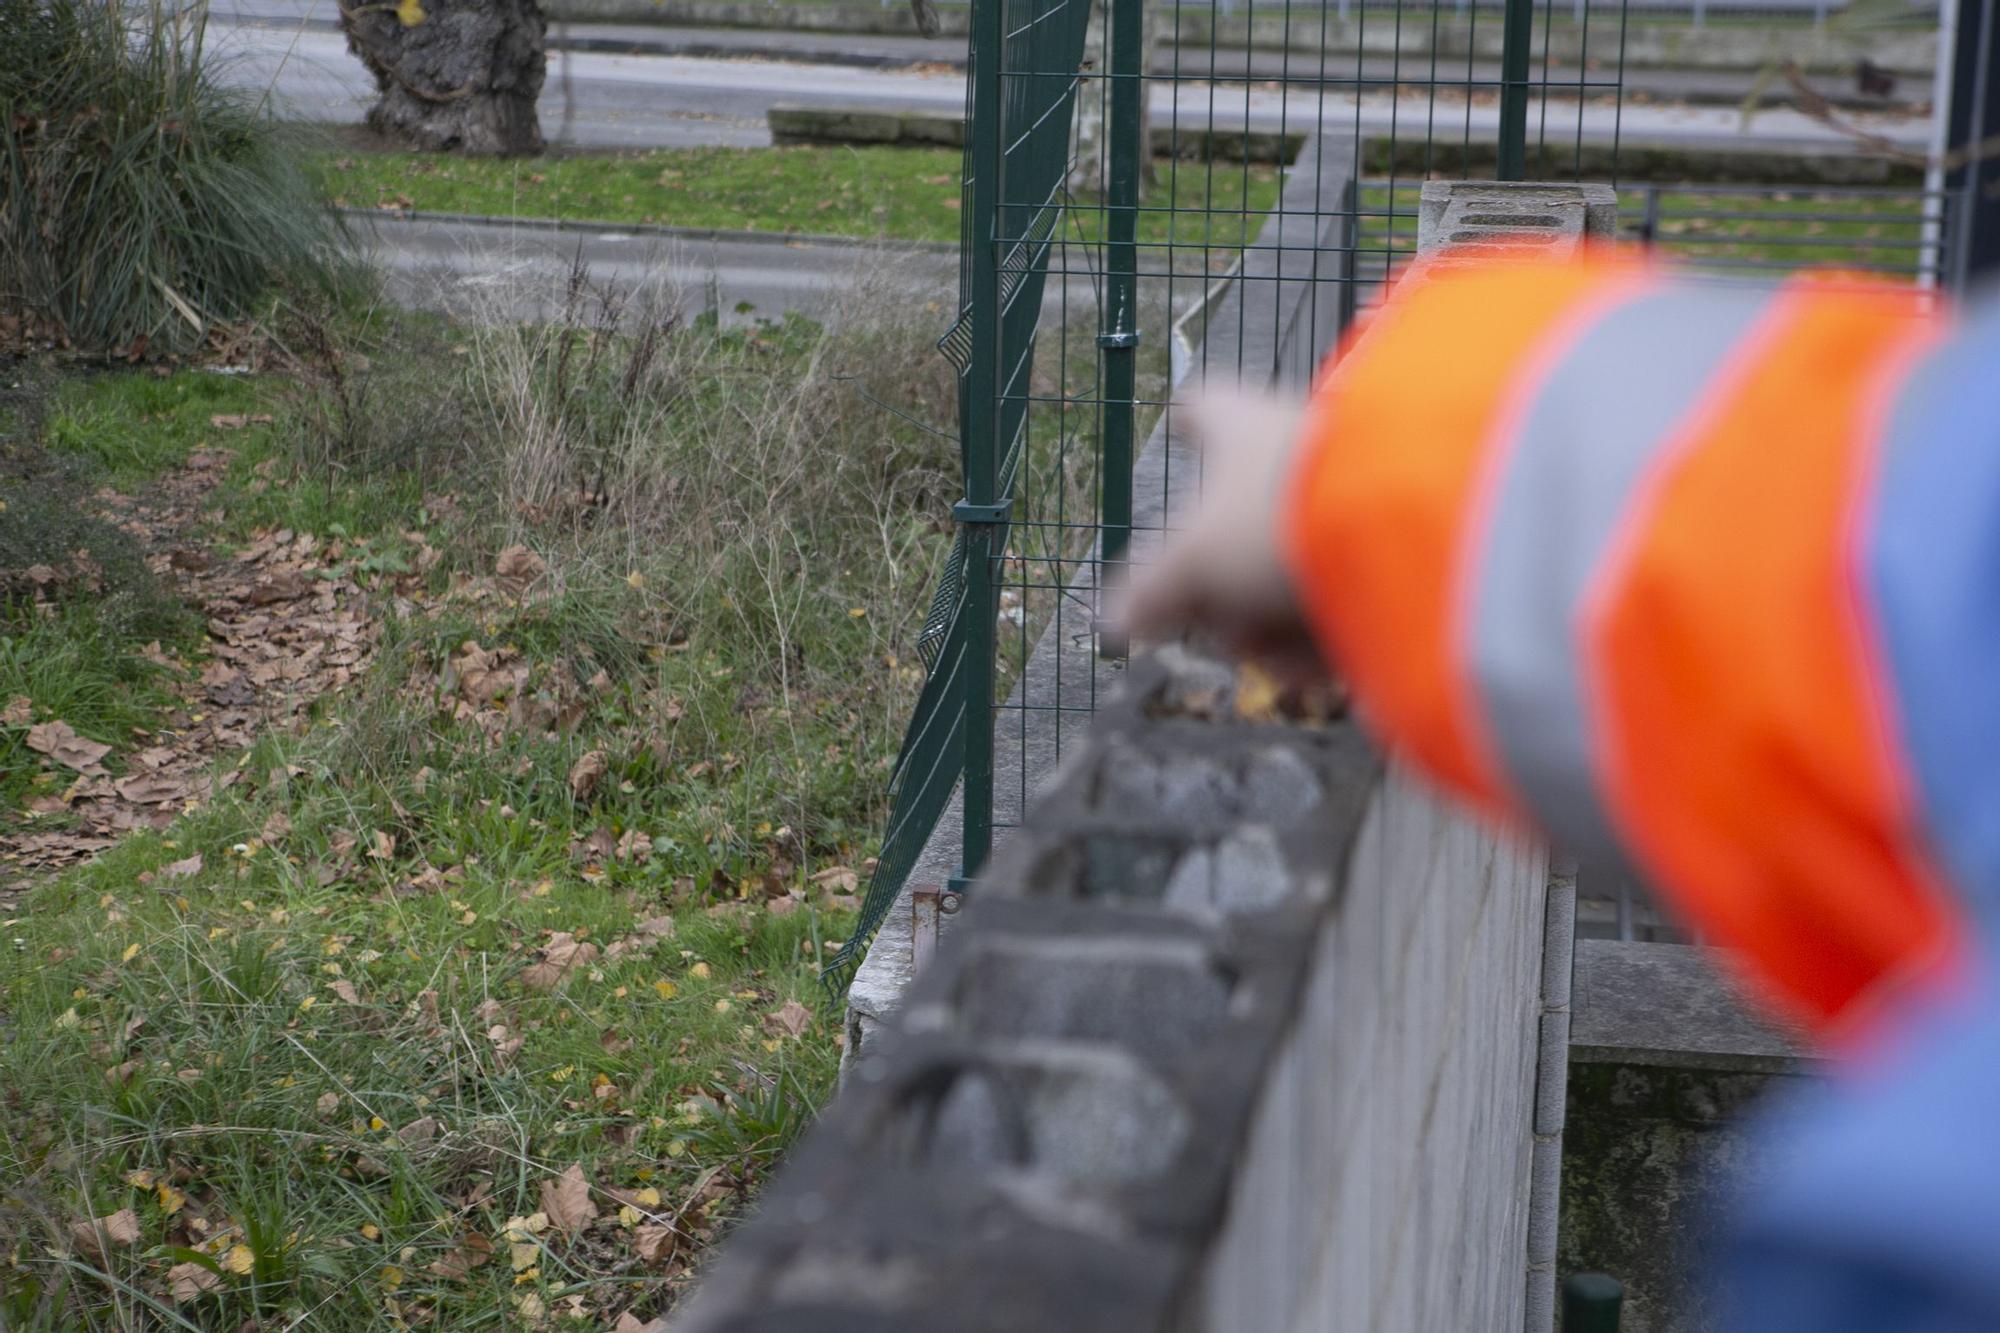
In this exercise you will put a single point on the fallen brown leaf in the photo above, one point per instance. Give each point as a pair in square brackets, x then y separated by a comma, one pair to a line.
[566, 1200]
[152, 788]
[655, 1244]
[189, 1280]
[630, 1323]
[20, 711]
[286, 586]
[838, 879]
[181, 869]
[345, 990]
[471, 1251]
[518, 567]
[60, 742]
[586, 773]
[561, 955]
[93, 1237]
[791, 1018]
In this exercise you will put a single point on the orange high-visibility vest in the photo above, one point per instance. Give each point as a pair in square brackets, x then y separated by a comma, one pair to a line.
[1648, 563]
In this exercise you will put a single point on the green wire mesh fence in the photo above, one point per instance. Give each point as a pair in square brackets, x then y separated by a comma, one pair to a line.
[1147, 210]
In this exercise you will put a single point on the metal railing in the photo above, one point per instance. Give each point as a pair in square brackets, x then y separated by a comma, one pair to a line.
[1897, 234]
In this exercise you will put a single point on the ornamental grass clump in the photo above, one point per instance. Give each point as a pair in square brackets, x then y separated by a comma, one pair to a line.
[143, 206]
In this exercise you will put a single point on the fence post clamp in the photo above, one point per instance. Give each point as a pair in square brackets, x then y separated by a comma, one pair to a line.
[967, 512]
[1118, 339]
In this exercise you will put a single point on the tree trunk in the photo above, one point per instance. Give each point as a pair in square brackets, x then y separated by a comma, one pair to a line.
[1090, 165]
[454, 75]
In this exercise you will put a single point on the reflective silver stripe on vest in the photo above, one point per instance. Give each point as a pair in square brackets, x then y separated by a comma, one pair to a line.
[1585, 443]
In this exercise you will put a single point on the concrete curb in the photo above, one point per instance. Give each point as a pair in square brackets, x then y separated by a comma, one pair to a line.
[596, 228]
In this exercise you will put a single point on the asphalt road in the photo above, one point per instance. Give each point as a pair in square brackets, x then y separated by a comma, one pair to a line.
[891, 51]
[492, 270]
[498, 270]
[603, 100]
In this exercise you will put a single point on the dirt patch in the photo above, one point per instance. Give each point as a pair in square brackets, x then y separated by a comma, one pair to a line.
[284, 627]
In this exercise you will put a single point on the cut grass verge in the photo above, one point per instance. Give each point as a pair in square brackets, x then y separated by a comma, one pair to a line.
[487, 996]
[908, 194]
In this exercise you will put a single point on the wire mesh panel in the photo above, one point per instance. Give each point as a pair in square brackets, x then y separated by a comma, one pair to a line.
[1148, 210]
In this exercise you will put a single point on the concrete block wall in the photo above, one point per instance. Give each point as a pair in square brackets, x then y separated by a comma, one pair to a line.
[1385, 1184]
[1240, 1032]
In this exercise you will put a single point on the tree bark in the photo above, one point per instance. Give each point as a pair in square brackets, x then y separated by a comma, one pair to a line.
[453, 75]
[1090, 167]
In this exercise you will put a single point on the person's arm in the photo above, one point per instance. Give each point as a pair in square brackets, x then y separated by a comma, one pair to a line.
[1648, 563]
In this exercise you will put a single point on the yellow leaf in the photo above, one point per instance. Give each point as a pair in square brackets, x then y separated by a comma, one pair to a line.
[308, 1002]
[68, 1018]
[647, 1198]
[628, 1216]
[699, 970]
[523, 1256]
[1257, 693]
[722, 1006]
[667, 989]
[530, 1305]
[131, 952]
[140, 1179]
[527, 1228]
[377, 1123]
[171, 1199]
[392, 1277]
[636, 579]
[239, 1260]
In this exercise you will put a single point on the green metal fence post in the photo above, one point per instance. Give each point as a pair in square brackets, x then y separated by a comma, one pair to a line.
[1118, 326]
[1517, 36]
[1591, 1303]
[980, 508]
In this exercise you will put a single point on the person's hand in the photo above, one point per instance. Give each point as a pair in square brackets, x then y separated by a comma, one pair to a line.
[1221, 572]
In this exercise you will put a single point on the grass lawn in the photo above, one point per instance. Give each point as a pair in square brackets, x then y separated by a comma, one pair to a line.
[482, 990]
[909, 194]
